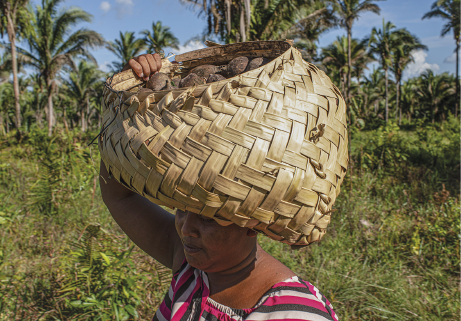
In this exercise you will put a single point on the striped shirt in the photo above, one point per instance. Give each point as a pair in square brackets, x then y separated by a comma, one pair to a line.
[293, 299]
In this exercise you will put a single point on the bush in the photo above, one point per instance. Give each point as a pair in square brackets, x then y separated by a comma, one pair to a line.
[391, 250]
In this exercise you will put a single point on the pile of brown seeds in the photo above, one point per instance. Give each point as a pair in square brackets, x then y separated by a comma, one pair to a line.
[205, 74]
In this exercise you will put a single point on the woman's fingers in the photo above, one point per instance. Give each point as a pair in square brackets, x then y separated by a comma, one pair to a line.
[158, 60]
[152, 64]
[137, 68]
[145, 67]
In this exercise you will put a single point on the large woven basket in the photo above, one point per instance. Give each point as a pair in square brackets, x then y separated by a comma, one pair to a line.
[266, 149]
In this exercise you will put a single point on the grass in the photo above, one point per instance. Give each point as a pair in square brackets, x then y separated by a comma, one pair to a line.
[391, 251]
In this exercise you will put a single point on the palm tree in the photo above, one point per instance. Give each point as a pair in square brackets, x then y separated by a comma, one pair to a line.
[409, 97]
[450, 11]
[242, 20]
[316, 19]
[433, 89]
[38, 99]
[230, 19]
[335, 58]
[276, 19]
[402, 51]
[125, 48]
[5, 92]
[372, 86]
[5, 67]
[160, 38]
[13, 17]
[348, 11]
[52, 44]
[381, 43]
[81, 88]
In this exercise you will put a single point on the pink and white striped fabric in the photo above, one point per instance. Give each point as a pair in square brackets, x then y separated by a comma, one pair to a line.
[291, 300]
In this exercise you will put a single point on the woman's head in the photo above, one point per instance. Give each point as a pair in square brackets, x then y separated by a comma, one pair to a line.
[211, 247]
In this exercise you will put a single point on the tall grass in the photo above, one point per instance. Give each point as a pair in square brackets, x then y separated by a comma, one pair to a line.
[391, 251]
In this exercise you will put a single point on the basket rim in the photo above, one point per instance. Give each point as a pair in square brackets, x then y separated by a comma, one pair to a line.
[129, 74]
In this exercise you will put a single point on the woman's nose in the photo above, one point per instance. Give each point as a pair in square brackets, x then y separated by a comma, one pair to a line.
[189, 226]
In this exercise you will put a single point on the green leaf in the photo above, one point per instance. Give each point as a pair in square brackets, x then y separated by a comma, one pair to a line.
[105, 257]
[76, 304]
[125, 293]
[131, 310]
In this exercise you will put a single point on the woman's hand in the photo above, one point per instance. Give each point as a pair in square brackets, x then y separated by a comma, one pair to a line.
[145, 65]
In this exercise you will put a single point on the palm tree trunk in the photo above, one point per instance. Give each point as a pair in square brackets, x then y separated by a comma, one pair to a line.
[243, 33]
[457, 79]
[387, 96]
[349, 63]
[12, 39]
[50, 108]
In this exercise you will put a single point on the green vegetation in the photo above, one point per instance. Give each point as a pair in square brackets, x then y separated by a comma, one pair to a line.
[391, 251]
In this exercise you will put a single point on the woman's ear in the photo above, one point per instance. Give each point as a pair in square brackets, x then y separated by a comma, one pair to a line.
[251, 233]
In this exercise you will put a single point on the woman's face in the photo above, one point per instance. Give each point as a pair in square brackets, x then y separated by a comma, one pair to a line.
[211, 247]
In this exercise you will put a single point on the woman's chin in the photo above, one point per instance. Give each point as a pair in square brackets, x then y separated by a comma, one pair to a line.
[198, 262]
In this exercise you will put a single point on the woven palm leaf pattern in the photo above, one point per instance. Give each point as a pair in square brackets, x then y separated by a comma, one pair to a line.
[266, 149]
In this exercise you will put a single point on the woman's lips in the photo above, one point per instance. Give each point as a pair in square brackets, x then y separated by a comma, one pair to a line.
[191, 249]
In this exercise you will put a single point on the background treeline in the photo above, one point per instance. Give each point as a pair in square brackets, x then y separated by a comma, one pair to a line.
[64, 86]
[392, 249]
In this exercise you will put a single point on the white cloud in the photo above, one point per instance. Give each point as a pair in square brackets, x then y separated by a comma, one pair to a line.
[193, 45]
[124, 7]
[105, 66]
[420, 65]
[451, 59]
[104, 6]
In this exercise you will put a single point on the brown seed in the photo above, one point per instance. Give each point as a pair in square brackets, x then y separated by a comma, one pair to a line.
[158, 81]
[190, 80]
[175, 82]
[214, 78]
[256, 63]
[169, 86]
[205, 71]
[236, 66]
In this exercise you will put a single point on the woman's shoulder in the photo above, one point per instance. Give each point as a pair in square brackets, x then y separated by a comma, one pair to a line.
[293, 299]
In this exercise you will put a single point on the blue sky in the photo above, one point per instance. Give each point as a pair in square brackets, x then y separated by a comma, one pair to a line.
[112, 16]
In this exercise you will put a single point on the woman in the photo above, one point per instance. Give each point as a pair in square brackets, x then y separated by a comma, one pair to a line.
[221, 273]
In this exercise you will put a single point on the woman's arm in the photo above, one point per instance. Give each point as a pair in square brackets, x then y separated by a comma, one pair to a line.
[148, 225]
